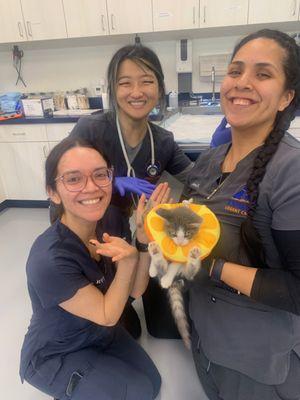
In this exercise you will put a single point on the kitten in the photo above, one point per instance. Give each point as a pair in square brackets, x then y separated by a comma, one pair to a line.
[181, 225]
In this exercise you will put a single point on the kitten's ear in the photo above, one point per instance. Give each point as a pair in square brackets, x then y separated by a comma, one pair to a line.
[163, 212]
[195, 225]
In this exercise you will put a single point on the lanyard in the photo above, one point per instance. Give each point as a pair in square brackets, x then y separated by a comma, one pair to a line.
[130, 170]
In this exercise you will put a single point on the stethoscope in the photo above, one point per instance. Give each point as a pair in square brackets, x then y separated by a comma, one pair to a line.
[152, 169]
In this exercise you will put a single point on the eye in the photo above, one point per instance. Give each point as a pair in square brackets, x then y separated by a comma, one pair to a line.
[233, 72]
[124, 83]
[148, 82]
[101, 174]
[73, 178]
[263, 75]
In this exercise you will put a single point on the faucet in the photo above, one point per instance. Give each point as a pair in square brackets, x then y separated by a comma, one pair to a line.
[213, 80]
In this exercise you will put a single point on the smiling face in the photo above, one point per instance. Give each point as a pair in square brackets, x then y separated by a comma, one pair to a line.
[90, 203]
[137, 91]
[253, 90]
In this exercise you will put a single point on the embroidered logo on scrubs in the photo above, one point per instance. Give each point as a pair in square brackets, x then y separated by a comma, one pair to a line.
[239, 202]
[100, 281]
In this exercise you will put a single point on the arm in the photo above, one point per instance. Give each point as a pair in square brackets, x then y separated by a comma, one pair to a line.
[179, 165]
[279, 288]
[89, 303]
[159, 196]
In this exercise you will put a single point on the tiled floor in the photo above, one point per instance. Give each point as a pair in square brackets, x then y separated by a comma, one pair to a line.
[18, 229]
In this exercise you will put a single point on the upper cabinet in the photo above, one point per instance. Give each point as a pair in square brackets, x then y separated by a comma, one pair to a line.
[86, 17]
[273, 11]
[44, 19]
[215, 13]
[12, 28]
[129, 16]
[175, 14]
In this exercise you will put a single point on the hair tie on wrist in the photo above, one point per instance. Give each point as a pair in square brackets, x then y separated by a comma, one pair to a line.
[141, 247]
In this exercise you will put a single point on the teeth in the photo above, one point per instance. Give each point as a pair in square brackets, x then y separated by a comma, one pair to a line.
[87, 202]
[137, 103]
[241, 102]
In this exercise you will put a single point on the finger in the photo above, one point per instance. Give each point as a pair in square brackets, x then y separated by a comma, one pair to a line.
[94, 242]
[106, 237]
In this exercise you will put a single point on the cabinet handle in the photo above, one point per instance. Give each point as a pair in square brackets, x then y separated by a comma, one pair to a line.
[194, 15]
[19, 133]
[20, 29]
[29, 28]
[45, 151]
[204, 14]
[294, 10]
[112, 22]
[102, 22]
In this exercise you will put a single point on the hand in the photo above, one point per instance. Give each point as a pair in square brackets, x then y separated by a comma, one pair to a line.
[124, 184]
[115, 248]
[221, 135]
[160, 195]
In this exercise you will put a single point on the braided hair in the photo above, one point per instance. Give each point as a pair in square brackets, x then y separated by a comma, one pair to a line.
[291, 66]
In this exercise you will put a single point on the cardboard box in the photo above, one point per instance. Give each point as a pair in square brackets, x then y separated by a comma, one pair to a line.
[38, 107]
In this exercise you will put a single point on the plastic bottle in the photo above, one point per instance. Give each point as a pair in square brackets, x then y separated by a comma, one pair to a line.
[173, 99]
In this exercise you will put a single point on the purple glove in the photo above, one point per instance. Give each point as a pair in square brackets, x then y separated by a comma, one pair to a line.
[221, 135]
[125, 184]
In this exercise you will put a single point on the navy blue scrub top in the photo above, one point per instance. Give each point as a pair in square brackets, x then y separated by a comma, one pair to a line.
[58, 265]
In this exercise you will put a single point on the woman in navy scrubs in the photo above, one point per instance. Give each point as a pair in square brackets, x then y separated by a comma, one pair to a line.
[136, 147]
[79, 284]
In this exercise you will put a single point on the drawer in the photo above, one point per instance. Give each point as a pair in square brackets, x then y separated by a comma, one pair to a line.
[23, 133]
[57, 132]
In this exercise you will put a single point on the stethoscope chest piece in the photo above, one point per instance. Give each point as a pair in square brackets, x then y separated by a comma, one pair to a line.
[153, 170]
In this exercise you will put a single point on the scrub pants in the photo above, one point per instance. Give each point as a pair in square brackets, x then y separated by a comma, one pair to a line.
[121, 371]
[221, 383]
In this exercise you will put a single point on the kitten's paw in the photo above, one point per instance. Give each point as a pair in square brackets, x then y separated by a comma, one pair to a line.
[153, 249]
[194, 253]
[166, 281]
[193, 263]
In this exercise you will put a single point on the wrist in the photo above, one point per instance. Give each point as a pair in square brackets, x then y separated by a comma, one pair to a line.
[216, 269]
[141, 246]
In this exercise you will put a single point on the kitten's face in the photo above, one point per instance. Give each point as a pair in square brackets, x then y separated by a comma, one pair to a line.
[181, 224]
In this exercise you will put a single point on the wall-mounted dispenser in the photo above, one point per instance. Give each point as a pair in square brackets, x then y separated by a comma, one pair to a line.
[184, 65]
[184, 60]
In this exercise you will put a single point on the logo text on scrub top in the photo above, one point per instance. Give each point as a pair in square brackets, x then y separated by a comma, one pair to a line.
[239, 203]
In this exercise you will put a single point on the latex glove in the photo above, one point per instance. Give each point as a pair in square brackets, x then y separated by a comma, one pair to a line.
[221, 135]
[125, 184]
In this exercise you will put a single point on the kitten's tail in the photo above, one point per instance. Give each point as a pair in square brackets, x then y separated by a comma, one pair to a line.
[179, 314]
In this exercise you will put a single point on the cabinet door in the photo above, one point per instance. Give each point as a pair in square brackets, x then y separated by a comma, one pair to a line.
[22, 170]
[57, 132]
[129, 16]
[44, 19]
[175, 14]
[12, 27]
[273, 11]
[223, 13]
[86, 17]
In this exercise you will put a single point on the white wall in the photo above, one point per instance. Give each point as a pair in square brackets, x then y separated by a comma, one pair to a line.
[76, 65]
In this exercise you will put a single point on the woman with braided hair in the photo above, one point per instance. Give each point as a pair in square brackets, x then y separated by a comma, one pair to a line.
[245, 307]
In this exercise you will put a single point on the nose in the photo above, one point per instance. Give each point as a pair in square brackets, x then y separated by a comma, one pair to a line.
[136, 91]
[90, 185]
[243, 82]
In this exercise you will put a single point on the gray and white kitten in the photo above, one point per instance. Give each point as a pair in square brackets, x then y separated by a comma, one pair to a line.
[181, 224]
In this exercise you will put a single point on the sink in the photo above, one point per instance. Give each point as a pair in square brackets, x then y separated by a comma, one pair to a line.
[206, 108]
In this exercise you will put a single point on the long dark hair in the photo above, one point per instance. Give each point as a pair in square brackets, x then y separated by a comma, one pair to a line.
[51, 165]
[145, 58]
[291, 66]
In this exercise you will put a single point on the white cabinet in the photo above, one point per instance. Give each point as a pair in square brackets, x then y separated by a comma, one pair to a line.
[12, 28]
[215, 13]
[261, 11]
[86, 17]
[129, 16]
[44, 19]
[23, 150]
[57, 132]
[175, 14]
